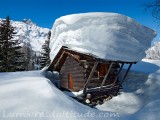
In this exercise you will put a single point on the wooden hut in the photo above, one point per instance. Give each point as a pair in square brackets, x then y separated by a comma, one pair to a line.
[80, 71]
[107, 48]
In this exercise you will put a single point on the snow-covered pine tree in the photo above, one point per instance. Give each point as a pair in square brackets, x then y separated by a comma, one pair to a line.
[45, 57]
[9, 48]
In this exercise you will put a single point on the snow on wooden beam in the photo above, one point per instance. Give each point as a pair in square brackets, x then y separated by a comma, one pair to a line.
[105, 88]
[109, 61]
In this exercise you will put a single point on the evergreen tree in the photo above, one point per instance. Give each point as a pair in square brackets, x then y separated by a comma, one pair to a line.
[45, 57]
[9, 48]
[27, 57]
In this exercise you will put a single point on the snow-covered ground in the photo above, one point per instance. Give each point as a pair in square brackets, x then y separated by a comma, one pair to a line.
[140, 99]
[30, 96]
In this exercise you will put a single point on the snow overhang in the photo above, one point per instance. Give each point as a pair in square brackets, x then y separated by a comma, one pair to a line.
[108, 36]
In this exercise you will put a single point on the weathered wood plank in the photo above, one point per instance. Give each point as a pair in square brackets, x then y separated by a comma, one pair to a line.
[90, 76]
[104, 79]
[79, 85]
[73, 72]
[80, 77]
[80, 80]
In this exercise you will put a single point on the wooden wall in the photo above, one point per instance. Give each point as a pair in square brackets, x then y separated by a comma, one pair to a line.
[72, 75]
[100, 73]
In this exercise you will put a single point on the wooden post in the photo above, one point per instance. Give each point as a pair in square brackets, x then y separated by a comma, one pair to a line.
[126, 73]
[90, 76]
[105, 77]
[115, 80]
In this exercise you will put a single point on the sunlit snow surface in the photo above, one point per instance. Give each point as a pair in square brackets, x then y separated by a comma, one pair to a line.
[30, 96]
[106, 35]
[140, 99]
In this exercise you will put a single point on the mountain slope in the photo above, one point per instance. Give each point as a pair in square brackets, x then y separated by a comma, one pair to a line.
[29, 32]
[154, 51]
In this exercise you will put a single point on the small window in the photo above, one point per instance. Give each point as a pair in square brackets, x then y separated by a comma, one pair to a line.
[103, 68]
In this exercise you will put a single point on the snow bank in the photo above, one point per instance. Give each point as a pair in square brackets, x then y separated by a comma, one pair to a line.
[140, 99]
[30, 96]
[106, 35]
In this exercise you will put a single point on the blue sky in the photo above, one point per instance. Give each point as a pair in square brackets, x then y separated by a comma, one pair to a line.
[44, 12]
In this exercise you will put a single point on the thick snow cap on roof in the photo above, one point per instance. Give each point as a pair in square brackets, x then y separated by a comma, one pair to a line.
[108, 36]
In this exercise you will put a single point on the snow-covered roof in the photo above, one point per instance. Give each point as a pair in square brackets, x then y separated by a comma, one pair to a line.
[109, 36]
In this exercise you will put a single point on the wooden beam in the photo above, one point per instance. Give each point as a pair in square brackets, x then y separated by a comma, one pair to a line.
[106, 88]
[105, 77]
[109, 61]
[78, 53]
[90, 76]
[116, 78]
[57, 63]
[126, 73]
[75, 57]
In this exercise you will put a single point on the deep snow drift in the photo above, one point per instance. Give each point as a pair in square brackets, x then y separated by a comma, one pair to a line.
[30, 96]
[109, 36]
[140, 99]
